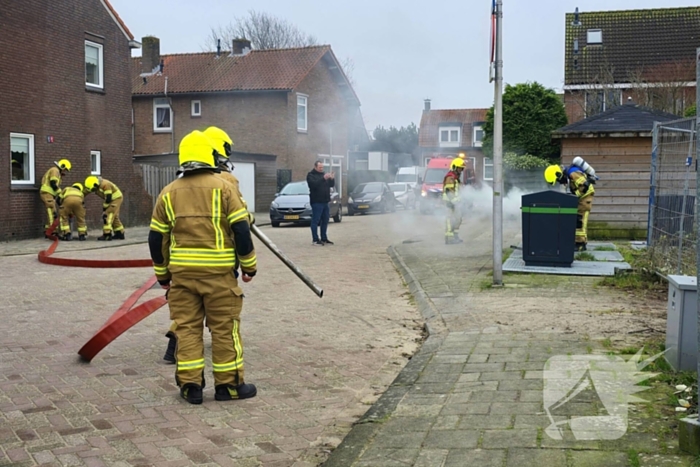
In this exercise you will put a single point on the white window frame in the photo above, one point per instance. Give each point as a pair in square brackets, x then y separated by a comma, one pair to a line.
[450, 143]
[192, 108]
[32, 175]
[487, 164]
[100, 65]
[475, 143]
[98, 162]
[156, 106]
[596, 34]
[305, 105]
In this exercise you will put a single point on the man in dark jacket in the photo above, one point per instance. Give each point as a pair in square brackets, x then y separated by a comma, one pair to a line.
[320, 197]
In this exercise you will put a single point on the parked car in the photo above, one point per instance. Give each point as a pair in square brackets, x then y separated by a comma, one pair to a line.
[292, 205]
[405, 195]
[371, 197]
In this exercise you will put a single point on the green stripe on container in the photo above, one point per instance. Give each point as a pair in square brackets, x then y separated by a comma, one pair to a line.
[549, 210]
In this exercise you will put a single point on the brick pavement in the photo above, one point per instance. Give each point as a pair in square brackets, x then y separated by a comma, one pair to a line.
[319, 363]
[472, 395]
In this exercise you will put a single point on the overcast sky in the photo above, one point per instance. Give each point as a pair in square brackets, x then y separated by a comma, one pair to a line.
[404, 51]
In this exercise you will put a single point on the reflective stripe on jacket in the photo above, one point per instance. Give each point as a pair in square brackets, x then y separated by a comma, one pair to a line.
[52, 174]
[578, 183]
[195, 214]
[70, 191]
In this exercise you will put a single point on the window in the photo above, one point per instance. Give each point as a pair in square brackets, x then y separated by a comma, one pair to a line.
[22, 158]
[196, 108]
[94, 65]
[450, 136]
[595, 36]
[302, 112]
[478, 136]
[95, 162]
[488, 168]
[161, 115]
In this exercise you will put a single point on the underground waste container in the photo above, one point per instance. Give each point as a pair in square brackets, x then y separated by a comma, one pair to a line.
[549, 228]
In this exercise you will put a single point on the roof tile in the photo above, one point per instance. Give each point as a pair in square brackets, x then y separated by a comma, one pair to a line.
[621, 119]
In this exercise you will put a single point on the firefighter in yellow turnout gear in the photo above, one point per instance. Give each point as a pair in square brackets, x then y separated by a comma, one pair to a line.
[223, 145]
[71, 204]
[580, 183]
[207, 228]
[51, 188]
[112, 198]
[450, 195]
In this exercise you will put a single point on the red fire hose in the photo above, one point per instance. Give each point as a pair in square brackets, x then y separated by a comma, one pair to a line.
[127, 315]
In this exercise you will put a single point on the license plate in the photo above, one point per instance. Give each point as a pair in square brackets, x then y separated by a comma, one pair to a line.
[290, 218]
[363, 206]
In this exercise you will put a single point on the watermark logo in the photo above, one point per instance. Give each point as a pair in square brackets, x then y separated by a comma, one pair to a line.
[591, 393]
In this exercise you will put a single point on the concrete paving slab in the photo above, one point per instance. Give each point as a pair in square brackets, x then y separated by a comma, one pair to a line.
[578, 268]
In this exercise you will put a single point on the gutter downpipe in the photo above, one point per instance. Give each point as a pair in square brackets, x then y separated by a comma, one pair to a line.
[172, 118]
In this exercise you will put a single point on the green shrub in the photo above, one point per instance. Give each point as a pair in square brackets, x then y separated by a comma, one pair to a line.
[525, 162]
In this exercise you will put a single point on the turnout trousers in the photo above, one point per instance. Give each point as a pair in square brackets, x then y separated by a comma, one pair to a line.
[585, 205]
[453, 221]
[111, 217]
[72, 206]
[49, 208]
[219, 299]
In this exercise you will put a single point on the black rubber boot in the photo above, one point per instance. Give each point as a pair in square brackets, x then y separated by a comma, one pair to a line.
[192, 393]
[170, 351]
[118, 236]
[105, 237]
[82, 237]
[229, 392]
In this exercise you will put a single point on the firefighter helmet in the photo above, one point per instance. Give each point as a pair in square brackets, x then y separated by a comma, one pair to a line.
[457, 163]
[91, 183]
[553, 174]
[223, 145]
[63, 164]
[78, 186]
[197, 151]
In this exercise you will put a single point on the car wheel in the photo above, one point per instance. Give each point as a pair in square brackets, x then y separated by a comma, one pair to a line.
[275, 224]
[339, 216]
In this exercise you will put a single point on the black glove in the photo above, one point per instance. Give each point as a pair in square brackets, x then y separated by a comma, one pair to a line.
[164, 281]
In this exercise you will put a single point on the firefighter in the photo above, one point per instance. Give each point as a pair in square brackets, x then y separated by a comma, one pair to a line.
[197, 268]
[223, 146]
[450, 194]
[71, 204]
[112, 228]
[581, 185]
[51, 188]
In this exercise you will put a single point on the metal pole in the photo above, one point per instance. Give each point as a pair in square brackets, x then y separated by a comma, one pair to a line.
[652, 185]
[697, 197]
[689, 162]
[498, 154]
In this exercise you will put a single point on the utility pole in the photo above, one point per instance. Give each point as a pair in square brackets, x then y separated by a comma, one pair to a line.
[498, 153]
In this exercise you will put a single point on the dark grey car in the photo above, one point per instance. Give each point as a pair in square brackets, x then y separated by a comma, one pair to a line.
[292, 205]
[371, 197]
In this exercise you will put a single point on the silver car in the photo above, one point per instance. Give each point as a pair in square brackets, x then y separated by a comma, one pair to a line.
[404, 194]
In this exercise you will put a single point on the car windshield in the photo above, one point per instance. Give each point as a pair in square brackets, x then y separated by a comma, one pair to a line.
[368, 188]
[296, 188]
[405, 177]
[398, 187]
[435, 175]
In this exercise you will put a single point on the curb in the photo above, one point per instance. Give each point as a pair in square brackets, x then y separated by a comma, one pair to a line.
[355, 442]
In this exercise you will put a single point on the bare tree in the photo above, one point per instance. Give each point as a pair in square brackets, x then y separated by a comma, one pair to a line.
[263, 30]
[665, 86]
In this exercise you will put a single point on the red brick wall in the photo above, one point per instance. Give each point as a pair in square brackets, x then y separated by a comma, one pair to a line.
[42, 92]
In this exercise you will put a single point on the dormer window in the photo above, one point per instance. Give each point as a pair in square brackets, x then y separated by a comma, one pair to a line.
[594, 37]
[450, 136]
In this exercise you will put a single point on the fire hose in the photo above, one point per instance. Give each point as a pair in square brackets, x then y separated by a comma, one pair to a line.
[127, 315]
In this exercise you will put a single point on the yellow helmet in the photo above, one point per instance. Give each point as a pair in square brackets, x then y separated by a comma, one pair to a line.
[64, 164]
[197, 150]
[223, 141]
[552, 174]
[91, 183]
[79, 186]
[457, 163]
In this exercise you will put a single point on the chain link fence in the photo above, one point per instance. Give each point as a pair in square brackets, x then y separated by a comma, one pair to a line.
[672, 235]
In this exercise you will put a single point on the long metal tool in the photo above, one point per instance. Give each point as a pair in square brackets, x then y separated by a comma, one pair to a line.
[288, 262]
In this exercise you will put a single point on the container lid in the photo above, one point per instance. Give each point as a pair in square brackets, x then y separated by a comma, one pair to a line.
[684, 282]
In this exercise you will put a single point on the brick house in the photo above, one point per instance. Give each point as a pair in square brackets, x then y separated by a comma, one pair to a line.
[65, 93]
[648, 55]
[283, 108]
[448, 133]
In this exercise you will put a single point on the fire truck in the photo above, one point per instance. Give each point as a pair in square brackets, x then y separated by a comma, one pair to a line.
[434, 175]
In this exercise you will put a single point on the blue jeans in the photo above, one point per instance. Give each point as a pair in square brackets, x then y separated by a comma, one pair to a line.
[321, 212]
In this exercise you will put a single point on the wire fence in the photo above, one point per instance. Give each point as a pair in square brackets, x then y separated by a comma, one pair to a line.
[672, 235]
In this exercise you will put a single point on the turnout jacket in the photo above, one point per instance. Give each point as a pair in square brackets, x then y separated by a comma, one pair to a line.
[578, 182]
[200, 228]
[450, 187]
[51, 181]
[69, 191]
[108, 191]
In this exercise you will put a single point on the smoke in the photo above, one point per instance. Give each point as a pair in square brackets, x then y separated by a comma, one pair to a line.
[480, 202]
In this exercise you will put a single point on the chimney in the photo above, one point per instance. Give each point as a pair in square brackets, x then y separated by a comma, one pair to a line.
[240, 47]
[218, 48]
[150, 57]
[427, 104]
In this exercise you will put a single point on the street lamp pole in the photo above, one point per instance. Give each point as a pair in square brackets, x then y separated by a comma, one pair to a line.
[498, 154]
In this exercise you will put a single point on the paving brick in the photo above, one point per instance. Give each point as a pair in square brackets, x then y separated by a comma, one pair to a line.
[514, 438]
[480, 457]
[521, 457]
[594, 459]
[451, 439]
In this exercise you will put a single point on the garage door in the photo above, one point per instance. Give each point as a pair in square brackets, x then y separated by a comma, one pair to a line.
[245, 172]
